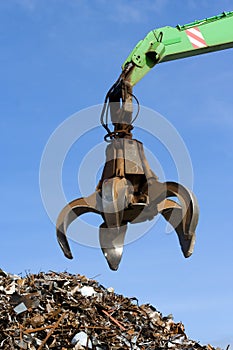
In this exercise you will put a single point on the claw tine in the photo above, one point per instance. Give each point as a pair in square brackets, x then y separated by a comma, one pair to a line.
[68, 214]
[189, 205]
[62, 224]
[112, 243]
[174, 214]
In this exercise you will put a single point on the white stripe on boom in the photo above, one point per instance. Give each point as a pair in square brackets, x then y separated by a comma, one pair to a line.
[196, 38]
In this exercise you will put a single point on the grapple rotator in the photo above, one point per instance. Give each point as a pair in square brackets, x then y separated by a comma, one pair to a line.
[129, 191]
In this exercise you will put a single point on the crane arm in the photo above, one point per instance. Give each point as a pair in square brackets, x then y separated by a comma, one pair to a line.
[162, 45]
[172, 43]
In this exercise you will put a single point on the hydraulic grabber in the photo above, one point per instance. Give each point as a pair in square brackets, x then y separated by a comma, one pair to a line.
[128, 191]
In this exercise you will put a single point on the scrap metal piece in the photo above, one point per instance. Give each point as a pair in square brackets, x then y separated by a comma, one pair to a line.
[20, 308]
[87, 291]
[82, 339]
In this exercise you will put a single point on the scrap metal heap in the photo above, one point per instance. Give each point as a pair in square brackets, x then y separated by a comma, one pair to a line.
[64, 311]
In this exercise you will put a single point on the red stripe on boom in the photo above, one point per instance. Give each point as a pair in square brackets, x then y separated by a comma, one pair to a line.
[199, 40]
[196, 37]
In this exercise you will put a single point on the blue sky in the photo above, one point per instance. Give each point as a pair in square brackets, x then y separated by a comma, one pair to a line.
[59, 57]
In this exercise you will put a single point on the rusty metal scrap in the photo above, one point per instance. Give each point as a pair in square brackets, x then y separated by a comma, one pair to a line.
[63, 311]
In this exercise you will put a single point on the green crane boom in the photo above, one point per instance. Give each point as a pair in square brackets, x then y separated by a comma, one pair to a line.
[172, 43]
